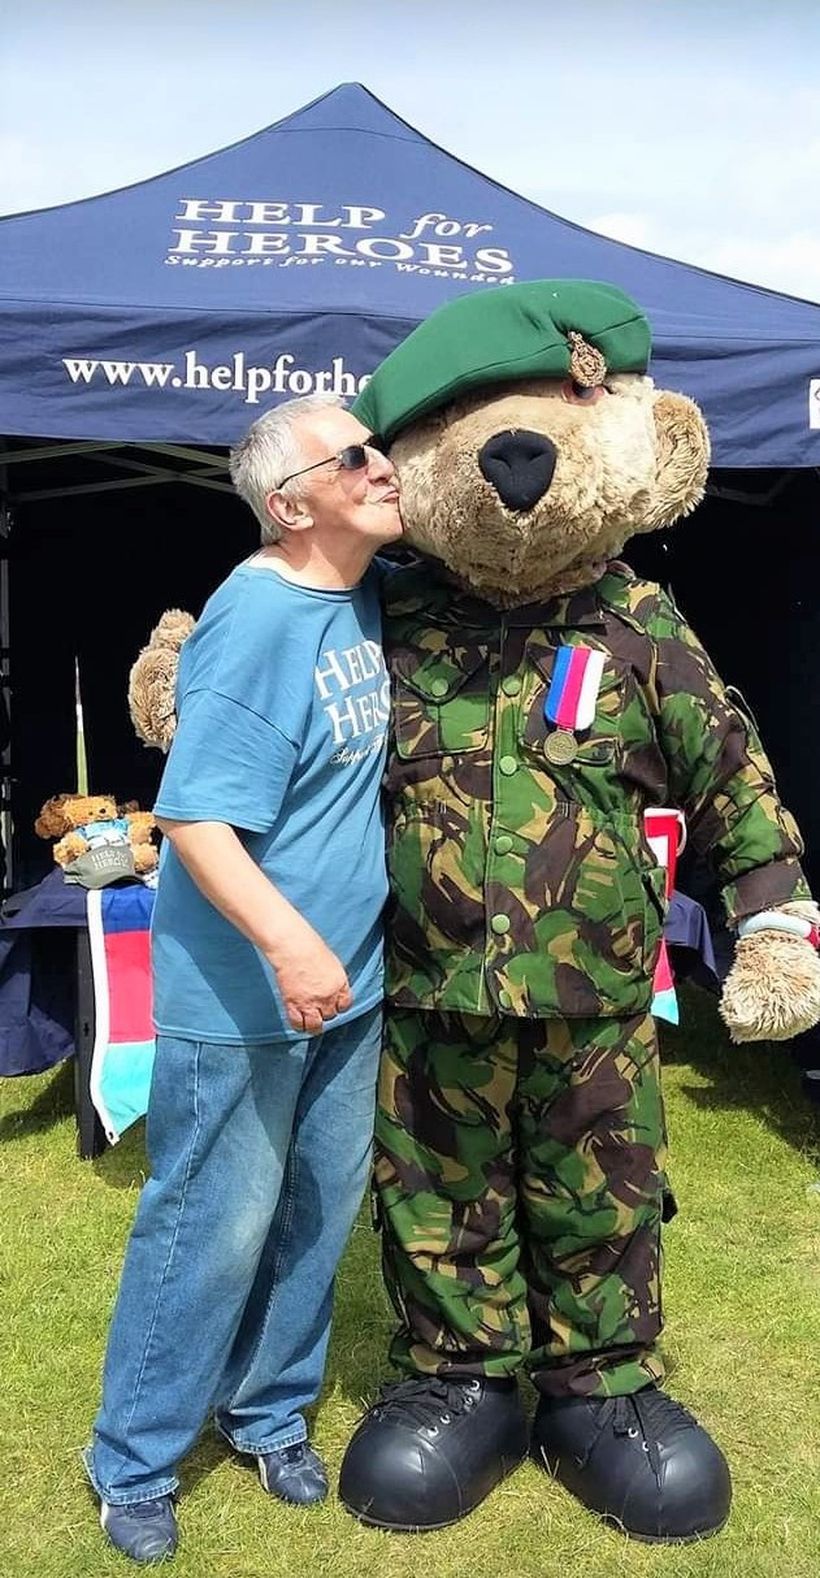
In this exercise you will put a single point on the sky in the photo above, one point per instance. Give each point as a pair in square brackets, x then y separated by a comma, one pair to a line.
[688, 127]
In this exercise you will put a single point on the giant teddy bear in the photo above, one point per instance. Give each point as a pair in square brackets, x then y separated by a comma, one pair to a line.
[544, 697]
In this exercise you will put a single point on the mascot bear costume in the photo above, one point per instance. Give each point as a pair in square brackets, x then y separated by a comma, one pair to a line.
[543, 698]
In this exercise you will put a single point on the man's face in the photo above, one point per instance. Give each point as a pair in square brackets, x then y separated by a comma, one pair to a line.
[362, 503]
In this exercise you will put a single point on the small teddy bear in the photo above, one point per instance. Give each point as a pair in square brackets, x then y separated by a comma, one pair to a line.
[81, 823]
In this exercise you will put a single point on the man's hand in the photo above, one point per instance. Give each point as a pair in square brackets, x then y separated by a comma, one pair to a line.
[312, 982]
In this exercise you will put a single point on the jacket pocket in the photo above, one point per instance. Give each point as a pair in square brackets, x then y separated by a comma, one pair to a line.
[441, 702]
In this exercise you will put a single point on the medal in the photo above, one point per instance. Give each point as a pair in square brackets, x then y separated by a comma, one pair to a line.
[561, 748]
[571, 700]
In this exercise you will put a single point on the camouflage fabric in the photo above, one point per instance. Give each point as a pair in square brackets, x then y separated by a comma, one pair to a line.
[519, 1177]
[527, 887]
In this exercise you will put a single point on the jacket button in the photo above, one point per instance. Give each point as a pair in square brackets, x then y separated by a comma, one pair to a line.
[508, 765]
[511, 686]
[504, 998]
[503, 844]
[500, 924]
[439, 688]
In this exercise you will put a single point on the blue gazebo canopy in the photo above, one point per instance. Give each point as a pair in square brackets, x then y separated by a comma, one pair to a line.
[174, 310]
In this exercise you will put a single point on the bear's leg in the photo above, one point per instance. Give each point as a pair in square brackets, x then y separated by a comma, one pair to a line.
[437, 1442]
[592, 1146]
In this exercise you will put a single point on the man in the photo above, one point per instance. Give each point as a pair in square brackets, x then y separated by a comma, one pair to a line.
[267, 986]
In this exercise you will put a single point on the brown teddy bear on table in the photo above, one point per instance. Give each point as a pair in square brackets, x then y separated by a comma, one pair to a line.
[544, 698]
[80, 823]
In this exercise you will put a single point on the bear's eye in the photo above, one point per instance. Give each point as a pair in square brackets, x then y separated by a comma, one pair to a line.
[581, 394]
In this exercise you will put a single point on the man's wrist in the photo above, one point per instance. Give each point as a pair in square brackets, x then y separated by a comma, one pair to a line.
[287, 941]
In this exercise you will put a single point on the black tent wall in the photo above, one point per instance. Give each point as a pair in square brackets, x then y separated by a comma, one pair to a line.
[89, 578]
[90, 575]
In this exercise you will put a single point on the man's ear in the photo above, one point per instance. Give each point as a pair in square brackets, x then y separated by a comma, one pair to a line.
[288, 513]
[682, 453]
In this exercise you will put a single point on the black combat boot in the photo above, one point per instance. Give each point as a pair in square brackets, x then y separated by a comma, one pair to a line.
[431, 1449]
[643, 1462]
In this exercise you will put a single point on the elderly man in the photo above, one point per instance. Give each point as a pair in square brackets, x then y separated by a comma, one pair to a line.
[267, 955]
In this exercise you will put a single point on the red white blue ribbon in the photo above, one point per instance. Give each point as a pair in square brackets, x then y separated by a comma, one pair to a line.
[573, 692]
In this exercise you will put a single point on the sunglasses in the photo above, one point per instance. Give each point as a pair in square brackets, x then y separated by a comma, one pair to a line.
[353, 458]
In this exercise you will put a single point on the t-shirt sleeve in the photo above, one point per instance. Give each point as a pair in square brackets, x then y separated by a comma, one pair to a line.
[226, 764]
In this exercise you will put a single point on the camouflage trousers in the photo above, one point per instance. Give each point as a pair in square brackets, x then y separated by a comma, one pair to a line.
[519, 1186]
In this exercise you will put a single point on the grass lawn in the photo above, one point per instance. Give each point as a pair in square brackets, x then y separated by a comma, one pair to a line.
[742, 1299]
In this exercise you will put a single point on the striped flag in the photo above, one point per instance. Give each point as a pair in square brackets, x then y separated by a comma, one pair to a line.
[119, 920]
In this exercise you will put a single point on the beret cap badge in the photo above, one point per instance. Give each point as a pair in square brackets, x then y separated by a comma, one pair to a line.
[587, 366]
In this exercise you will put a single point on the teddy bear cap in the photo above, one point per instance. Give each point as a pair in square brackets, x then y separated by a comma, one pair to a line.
[545, 328]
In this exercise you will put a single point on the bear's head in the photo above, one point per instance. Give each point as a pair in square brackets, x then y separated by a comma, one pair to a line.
[530, 443]
[65, 813]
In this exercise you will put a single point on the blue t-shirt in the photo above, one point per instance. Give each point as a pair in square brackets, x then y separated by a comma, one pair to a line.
[283, 704]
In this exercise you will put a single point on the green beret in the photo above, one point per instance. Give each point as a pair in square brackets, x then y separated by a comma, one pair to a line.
[545, 328]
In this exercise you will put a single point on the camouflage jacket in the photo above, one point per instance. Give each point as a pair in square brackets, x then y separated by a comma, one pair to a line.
[529, 887]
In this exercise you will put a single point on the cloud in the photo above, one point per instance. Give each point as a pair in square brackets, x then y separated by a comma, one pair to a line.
[788, 262]
[635, 229]
[23, 171]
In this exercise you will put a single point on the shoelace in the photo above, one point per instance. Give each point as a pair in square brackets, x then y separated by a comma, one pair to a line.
[149, 1509]
[648, 1414]
[293, 1454]
[427, 1402]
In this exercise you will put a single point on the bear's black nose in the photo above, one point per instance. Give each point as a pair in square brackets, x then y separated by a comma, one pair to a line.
[519, 465]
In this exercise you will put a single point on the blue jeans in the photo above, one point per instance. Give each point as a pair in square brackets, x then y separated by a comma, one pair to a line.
[259, 1160]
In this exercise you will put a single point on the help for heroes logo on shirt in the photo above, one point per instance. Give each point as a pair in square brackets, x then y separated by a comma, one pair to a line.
[357, 716]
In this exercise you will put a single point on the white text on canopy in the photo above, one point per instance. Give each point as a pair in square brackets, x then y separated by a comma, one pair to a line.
[231, 232]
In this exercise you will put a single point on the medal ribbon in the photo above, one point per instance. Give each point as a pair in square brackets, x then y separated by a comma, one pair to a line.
[573, 692]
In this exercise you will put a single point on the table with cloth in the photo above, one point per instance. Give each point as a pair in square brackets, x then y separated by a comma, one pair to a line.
[75, 977]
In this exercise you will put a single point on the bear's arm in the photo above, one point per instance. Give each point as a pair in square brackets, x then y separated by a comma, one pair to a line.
[719, 773]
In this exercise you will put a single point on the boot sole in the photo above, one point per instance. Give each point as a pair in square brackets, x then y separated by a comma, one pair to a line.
[405, 1528]
[537, 1456]
[656, 1539]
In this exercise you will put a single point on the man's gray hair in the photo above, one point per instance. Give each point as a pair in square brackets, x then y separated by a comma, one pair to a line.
[269, 451]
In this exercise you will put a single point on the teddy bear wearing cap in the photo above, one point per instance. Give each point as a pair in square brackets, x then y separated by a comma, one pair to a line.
[544, 698]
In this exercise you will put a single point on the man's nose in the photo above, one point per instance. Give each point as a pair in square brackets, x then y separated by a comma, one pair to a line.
[378, 464]
[519, 465]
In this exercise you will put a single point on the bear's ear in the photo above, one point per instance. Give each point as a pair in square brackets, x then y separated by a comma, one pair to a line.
[682, 452]
[52, 821]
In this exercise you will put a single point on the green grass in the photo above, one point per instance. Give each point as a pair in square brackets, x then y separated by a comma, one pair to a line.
[742, 1347]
